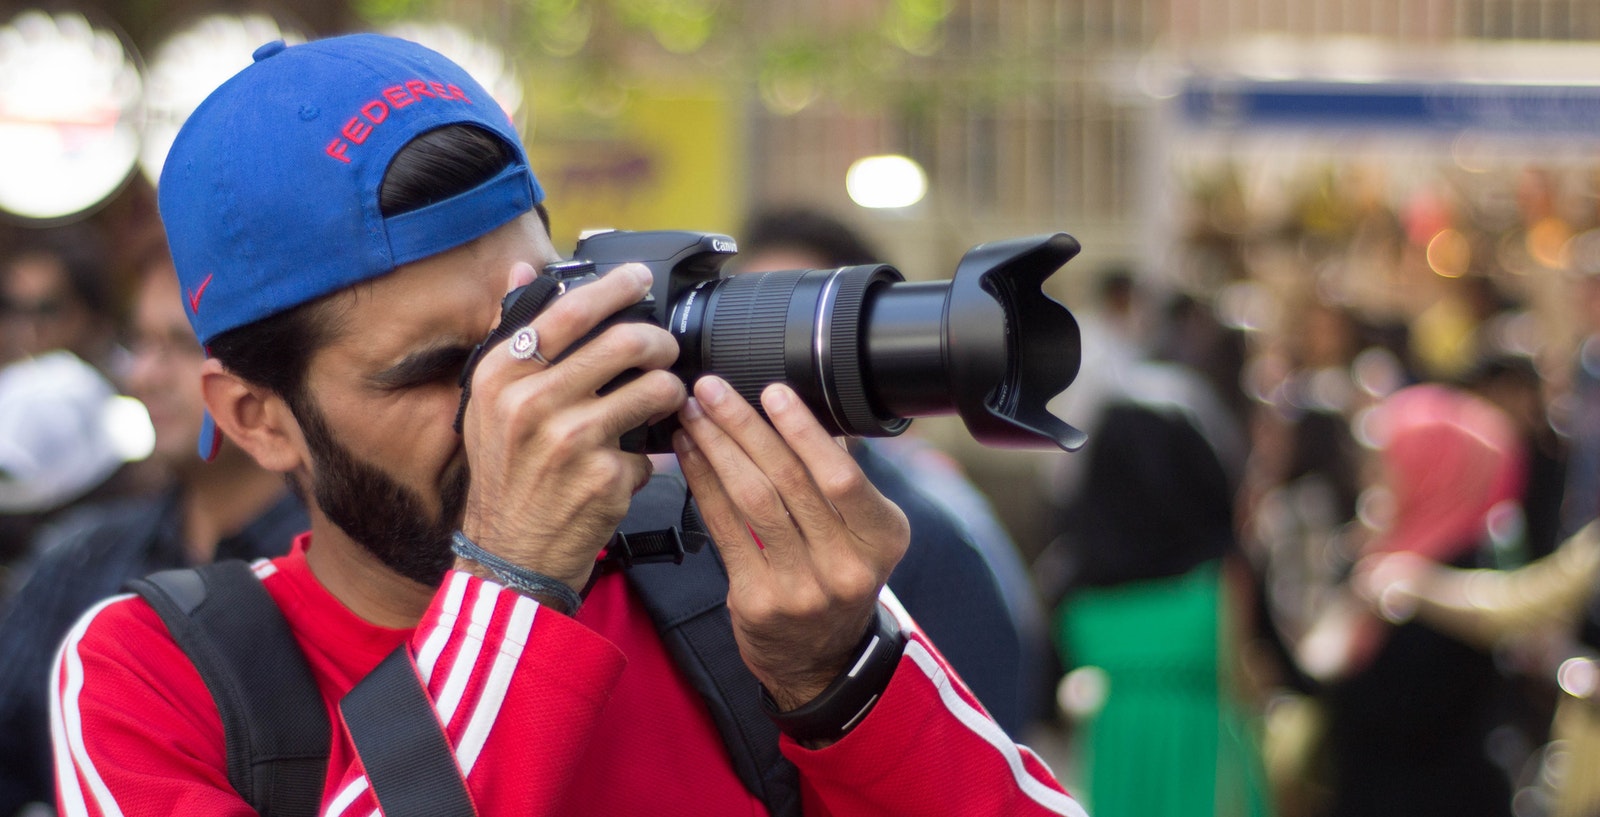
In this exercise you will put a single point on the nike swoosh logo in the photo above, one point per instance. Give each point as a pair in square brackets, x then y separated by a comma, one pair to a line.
[194, 297]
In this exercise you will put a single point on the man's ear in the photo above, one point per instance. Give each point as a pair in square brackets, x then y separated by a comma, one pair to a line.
[254, 417]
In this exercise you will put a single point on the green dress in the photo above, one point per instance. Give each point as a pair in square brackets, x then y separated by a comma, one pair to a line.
[1167, 742]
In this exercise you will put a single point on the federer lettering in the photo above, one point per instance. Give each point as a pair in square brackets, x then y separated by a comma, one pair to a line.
[372, 114]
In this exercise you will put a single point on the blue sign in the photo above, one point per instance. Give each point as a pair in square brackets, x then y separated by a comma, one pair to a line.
[1232, 103]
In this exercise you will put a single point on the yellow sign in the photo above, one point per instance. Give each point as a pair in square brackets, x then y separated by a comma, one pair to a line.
[670, 159]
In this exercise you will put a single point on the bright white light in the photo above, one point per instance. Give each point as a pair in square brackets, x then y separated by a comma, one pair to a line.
[70, 100]
[481, 60]
[127, 424]
[1082, 692]
[189, 66]
[1578, 677]
[885, 181]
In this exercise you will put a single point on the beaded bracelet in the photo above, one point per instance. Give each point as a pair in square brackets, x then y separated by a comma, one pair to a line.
[517, 578]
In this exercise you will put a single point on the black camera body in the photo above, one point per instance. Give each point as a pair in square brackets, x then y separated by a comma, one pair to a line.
[865, 350]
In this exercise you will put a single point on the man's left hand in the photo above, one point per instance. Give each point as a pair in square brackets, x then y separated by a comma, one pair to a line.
[807, 540]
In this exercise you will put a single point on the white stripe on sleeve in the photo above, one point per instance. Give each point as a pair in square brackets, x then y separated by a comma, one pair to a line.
[983, 727]
[494, 690]
[66, 725]
[434, 645]
[351, 791]
[467, 657]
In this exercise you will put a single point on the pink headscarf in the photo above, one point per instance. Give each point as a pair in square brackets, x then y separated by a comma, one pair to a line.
[1449, 459]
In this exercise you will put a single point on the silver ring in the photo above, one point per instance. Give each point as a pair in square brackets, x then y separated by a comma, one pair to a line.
[524, 345]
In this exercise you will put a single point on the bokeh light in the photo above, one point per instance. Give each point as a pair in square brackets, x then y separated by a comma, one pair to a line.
[881, 182]
[188, 66]
[70, 111]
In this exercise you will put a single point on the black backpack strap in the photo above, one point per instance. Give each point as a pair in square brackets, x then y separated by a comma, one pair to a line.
[688, 603]
[273, 717]
[408, 760]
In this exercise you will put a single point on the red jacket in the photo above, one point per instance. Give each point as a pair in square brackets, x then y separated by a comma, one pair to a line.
[546, 714]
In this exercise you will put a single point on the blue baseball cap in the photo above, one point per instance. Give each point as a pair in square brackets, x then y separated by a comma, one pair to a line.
[270, 193]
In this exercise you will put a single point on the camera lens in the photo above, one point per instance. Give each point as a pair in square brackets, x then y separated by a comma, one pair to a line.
[865, 349]
[868, 351]
[802, 327]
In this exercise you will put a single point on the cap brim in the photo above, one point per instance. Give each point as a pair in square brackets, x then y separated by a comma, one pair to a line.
[210, 439]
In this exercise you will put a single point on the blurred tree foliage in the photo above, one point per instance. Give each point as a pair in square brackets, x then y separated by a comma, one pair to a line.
[796, 52]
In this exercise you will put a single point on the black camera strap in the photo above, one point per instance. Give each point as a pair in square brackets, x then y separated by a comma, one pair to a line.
[408, 761]
[519, 308]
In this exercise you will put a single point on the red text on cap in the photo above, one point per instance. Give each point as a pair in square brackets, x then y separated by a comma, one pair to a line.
[372, 114]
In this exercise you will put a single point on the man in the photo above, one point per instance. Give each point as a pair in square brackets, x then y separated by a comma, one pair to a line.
[55, 293]
[230, 509]
[962, 578]
[345, 216]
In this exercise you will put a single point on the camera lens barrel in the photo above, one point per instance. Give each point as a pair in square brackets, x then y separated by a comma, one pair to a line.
[802, 327]
[906, 349]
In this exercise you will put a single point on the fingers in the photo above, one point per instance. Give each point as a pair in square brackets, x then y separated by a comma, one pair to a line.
[740, 555]
[830, 539]
[605, 418]
[571, 316]
[522, 273]
[837, 476]
[549, 482]
[624, 346]
[766, 481]
[521, 384]
[817, 499]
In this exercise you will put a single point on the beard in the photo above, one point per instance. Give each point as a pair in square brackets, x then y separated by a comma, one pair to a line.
[388, 519]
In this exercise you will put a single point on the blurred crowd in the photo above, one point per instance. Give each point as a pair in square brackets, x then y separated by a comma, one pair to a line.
[1330, 550]
[1327, 552]
[96, 489]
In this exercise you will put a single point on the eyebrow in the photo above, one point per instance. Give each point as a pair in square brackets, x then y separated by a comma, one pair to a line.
[423, 366]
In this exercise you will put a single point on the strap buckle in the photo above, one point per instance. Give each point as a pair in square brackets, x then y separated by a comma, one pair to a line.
[646, 547]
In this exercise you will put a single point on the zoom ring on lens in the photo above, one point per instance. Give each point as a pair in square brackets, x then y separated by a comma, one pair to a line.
[840, 360]
[745, 339]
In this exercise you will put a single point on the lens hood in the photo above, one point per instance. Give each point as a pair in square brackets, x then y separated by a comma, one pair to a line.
[1009, 347]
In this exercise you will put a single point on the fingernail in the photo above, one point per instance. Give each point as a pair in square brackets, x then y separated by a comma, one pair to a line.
[778, 398]
[691, 409]
[682, 442]
[711, 390]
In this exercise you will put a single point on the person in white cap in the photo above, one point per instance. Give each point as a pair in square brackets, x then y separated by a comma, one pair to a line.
[230, 508]
[57, 432]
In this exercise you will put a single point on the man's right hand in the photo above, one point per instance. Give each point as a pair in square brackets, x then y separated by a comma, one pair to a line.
[549, 482]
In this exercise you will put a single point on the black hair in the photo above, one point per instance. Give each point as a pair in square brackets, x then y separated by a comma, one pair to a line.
[275, 351]
[1145, 456]
[810, 230]
[439, 164]
[80, 249]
